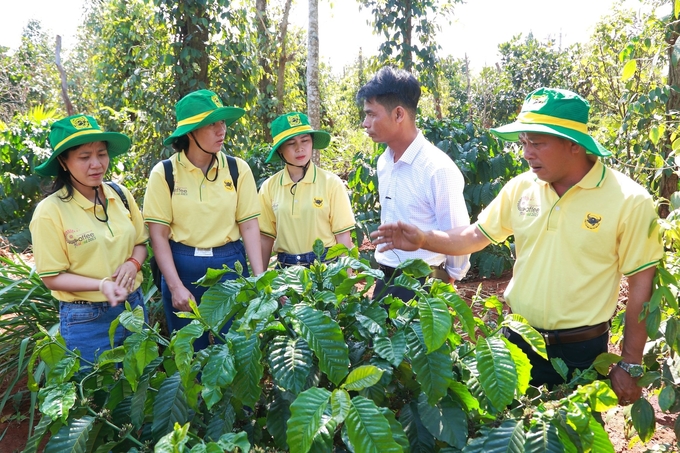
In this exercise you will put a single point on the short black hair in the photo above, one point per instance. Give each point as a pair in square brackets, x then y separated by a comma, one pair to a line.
[181, 143]
[391, 87]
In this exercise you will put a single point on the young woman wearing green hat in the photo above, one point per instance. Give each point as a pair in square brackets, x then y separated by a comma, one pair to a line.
[301, 202]
[88, 242]
[200, 224]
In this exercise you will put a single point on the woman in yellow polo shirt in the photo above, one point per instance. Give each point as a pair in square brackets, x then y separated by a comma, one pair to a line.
[200, 224]
[88, 243]
[302, 202]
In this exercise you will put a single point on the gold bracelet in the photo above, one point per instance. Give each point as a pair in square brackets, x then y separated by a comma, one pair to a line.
[101, 283]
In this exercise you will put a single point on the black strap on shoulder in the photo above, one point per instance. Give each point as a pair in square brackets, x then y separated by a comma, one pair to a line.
[233, 170]
[170, 178]
[120, 193]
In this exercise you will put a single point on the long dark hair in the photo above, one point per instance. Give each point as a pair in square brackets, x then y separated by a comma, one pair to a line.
[181, 143]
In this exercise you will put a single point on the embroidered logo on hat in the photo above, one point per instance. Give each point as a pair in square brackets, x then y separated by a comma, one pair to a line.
[294, 120]
[80, 122]
[592, 222]
[217, 101]
[537, 100]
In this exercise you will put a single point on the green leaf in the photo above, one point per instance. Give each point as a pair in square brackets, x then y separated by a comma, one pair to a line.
[506, 438]
[520, 325]
[644, 421]
[133, 320]
[464, 313]
[433, 371]
[170, 407]
[56, 401]
[326, 339]
[666, 397]
[63, 370]
[218, 302]
[138, 403]
[249, 370]
[435, 322]
[415, 268]
[139, 352]
[463, 394]
[599, 395]
[543, 438]
[392, 348]
[419, 438]
[340, 403]
[601, 442]
[522, 365]
[182, 345]
[652, 323]
[306, 418]
[604, 361]
[232, 441]
[218, 373]
[174, 441]
[628, 70]
[71, 438]
[362, 377]
[37, 436]
[497, 372]
[290, 363]
[368, 430]
[446, 421]
[561, 367]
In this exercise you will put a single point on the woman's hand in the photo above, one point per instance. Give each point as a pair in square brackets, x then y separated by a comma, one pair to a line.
[125, 276]
[113, 292]
[180, 298]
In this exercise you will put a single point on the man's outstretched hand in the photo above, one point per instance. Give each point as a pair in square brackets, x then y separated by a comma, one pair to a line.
[399, 235]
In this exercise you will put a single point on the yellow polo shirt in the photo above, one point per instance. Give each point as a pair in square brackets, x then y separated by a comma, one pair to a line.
[201, 213]
[319, 208]
[68, 238]
[571, 251]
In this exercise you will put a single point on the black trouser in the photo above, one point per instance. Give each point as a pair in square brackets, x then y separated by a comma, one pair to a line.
[382, 288]
[579, 355]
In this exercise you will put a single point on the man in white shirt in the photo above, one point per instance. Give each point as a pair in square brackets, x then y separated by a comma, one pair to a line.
[417, 182]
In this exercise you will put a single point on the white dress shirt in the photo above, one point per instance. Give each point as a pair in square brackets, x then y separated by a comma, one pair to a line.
[425, 188]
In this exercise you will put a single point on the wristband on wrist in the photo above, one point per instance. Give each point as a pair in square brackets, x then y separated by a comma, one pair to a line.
[101, 283]
[135, 262]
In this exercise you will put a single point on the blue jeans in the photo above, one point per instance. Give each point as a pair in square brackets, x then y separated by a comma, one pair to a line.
[190, 269]
[86, 327]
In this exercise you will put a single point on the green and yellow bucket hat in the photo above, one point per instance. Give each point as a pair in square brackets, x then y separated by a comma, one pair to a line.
[557, 112]
[78, 130]
[290, 125]
[201, 108]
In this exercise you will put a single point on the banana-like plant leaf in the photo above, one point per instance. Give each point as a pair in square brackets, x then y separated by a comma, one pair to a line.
[446, 421]
[506, 438]
[170, 407]
[368, 430]
[306, 418]
[362, 377]
[543, 438]
[435, 321]
[71, 438]
[391, 348]
[497, 372]
[326, 339]
[290, 362]
[247, 358]
[434, 371]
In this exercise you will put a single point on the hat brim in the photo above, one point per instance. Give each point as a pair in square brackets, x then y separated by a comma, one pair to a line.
[116, 144]
[320, 140]
[227, 114]
[510, 132]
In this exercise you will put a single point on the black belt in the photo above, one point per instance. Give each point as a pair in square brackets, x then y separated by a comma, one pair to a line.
[299, 259]
[82, 302]
[575, 335]
[437, 271]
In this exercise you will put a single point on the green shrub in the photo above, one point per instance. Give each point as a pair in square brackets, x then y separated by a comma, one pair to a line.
[311, 363]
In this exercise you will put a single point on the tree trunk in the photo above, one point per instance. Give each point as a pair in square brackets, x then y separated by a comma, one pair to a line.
[62, 75]
[408, 32]
[265, 48]
[283, 58]
[313, 98]
[668, 184]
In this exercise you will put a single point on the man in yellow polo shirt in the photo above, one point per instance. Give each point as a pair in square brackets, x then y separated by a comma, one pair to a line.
[578, 227]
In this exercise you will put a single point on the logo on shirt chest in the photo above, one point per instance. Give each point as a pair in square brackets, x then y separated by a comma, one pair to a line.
[318, 202]
[228, 185]
[182, 191]
[76, 238]
[592, 221]
[526, 206]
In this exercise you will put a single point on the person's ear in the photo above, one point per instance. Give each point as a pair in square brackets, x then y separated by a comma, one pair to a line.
[399, 113]
[60, 159]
